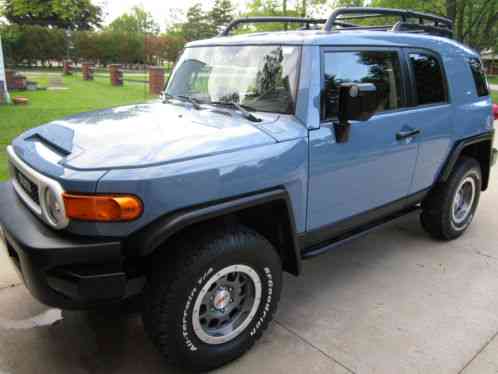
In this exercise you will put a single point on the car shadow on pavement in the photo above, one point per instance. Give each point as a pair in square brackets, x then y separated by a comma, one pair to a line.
[359, 296]
[120, 344]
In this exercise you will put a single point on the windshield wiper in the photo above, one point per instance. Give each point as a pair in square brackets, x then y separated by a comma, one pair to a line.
[247, 115]
[195, 103]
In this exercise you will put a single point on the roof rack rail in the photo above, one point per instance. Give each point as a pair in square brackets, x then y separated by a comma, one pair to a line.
[442, 26]
[341, 17]
[305, 21]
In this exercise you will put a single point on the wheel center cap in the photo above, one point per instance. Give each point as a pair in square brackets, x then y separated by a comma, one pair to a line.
[221, 299]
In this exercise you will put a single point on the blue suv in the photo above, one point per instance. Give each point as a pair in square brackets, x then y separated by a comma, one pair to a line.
[265, 149]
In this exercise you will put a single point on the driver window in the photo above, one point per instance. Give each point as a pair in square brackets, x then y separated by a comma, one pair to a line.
[380, 68]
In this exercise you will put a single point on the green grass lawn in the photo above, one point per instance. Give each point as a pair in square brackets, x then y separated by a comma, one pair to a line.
[494, 95]
[493, 79]
[47, 106]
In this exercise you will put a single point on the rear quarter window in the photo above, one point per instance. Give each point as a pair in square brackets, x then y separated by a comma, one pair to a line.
[479, 77]
[429, 79]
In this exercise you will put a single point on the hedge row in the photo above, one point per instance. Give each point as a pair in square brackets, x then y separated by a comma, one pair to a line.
[34, 45]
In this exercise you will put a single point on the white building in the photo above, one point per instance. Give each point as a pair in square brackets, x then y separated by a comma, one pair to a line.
[3, 81]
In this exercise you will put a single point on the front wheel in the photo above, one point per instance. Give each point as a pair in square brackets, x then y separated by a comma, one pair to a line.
[211, 302]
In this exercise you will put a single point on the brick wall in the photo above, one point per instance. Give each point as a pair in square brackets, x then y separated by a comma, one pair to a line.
[15, 81]
[156, 80]
[87, 71]
[116, 74]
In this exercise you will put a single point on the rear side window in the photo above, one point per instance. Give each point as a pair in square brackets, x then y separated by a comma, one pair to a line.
[429, 81]
[381, 68]
[479, 77]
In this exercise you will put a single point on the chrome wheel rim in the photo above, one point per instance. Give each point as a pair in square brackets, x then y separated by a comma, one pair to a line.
[226, 304]
[463, 200]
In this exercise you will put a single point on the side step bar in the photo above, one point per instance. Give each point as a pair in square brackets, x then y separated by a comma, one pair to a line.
[357, 233]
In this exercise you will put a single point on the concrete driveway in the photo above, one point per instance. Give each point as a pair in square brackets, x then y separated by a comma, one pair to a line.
[395, 301]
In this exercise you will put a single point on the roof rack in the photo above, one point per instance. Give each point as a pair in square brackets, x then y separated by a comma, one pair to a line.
[340, 20]
[305, 21]
[441, 26]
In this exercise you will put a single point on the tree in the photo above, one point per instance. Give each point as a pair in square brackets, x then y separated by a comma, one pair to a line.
[258, 8]
[86, 46]
[65, 14]
[32, 44]
[197, 25]
[476, 21]
[221, 14]
[136, 21]
[174, 45]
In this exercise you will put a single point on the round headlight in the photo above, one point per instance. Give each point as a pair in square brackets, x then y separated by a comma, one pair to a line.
[55, 211]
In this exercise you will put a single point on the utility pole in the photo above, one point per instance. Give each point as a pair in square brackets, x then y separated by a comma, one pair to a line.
[2, 75]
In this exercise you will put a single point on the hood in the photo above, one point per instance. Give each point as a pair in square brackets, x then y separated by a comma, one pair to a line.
[141, 135]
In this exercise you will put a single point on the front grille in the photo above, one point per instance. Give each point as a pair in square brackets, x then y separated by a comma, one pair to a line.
[30, 185]
[27, 185]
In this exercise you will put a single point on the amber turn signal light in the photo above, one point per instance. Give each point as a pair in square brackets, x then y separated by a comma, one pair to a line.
[104, 208]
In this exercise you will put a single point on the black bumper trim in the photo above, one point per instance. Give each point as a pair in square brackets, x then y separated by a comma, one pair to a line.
[62, 270]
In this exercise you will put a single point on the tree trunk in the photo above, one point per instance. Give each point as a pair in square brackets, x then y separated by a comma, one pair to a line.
[467, 34]
[284, 6]
[460, 21]
[451, 9]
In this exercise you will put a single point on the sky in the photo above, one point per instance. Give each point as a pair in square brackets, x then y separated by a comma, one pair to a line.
[161, 10]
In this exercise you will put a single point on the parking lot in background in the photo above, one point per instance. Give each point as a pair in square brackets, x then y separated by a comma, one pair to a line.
[395, 301]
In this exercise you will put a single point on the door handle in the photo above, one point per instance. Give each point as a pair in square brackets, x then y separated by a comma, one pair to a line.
[403, 134]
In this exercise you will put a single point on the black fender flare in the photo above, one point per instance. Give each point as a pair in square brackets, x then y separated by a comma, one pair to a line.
[457, 151]
[150, 238]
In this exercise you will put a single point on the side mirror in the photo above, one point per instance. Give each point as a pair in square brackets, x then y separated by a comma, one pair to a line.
[357, 102]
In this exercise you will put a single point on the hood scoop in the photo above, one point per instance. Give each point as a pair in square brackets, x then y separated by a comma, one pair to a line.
[58, 138]
[54, 147]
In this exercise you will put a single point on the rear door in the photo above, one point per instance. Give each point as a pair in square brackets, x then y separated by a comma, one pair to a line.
[431, 113]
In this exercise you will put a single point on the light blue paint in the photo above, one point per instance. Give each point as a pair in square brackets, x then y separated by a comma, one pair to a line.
[175, 157]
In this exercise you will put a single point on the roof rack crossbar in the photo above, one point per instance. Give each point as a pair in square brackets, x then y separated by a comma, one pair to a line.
[362, 16]
[406, 28]
[376, 27]
[433, 30]
[306, 21]
[442, 25]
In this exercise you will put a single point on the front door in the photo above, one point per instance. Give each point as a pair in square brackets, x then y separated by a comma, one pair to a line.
[376, 165]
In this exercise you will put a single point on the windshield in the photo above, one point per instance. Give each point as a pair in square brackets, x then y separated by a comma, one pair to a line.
[260, 78]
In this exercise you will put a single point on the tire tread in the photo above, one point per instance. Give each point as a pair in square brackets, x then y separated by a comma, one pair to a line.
[433, 218]
[169, 269]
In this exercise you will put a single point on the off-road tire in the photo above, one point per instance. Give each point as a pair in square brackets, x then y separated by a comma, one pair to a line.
[437, 218]
[176, 278]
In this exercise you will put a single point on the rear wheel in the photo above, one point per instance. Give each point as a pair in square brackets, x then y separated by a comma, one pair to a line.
[212, 301]
[449, 209]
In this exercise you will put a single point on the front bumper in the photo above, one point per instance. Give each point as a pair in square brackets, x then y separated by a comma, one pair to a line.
[62, 270]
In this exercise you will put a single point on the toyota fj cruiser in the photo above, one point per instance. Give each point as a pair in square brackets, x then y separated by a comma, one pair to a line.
[265, 149]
